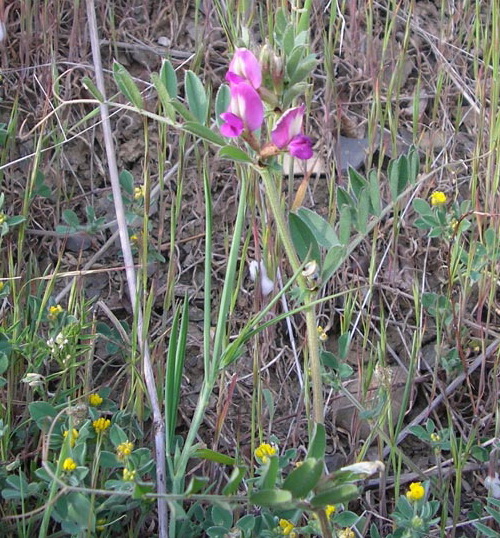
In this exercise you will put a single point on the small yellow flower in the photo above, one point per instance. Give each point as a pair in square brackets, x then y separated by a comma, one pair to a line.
[100, 524]
[124, 449]
[329, 510]
[346, 533]
[95, 400]
[54, 311]
[73, 436]
[3, 218]
[128, 475]
[438, 198]
[2, 285]
[435, 437]
[139, 192]
[264, 451]
[322, 334]
[101, 424]
[287, 527]
[69, 464]
[134, 239]
[416, 492]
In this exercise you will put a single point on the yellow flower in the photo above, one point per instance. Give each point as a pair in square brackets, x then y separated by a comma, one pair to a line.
[134, 239]
[435, 437]
[54, 311]
[100, 524]
[128, 475]
[438, 198]
[264, 451]
[2, 285]
[346, 533]
[139, 192]
[124, 449]
[73, 436]
[329, 510]
[416, 492]
[322, 334]
[69, 464]
[287, 527]
[95, 400]
[101, 424]
[3, 218]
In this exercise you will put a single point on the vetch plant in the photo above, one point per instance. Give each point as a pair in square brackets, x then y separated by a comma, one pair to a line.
[259, 115]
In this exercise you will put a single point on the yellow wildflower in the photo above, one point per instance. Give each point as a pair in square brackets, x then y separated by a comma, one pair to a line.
[438, 198]
[69, 464]
[128, 475]
[322, 334]
[329, 510]
[101, 424]
[95, 400]
[346, 533]
[287, 527]
[2, 285]
[73, 436]
[54, 311]
[435, 437]
[264, 451]
[134, 239]
[124, 449]
[3, 218]
[139, 192]
[416, 492]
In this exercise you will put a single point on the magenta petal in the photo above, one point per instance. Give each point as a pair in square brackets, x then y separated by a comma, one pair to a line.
[288, 126]
[233, 125]
[233, 78]
[301, 147]
[247, 105]
[245, 67]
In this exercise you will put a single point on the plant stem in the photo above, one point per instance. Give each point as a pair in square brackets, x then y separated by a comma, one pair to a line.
[159, 424]
[310, 313]
[213, 362]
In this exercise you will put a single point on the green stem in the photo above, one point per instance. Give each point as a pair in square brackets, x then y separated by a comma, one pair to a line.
[274, 201]
[213, 363]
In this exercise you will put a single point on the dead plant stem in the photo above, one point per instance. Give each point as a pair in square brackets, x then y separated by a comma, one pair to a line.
[159, 426]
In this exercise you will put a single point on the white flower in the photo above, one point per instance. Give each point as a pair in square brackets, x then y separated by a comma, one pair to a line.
[33, 379]
[3, 31]
[258, 268]
[492, 484]
[365, 468]
[61, 340]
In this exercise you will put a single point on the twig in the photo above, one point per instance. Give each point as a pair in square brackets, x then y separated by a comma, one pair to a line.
[159, 425]
[492, 348]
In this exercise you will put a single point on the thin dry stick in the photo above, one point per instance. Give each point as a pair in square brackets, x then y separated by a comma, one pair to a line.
[159, 426]
[478, 361]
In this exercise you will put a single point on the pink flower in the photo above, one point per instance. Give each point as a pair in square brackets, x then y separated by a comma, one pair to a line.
[287, 133]
[244, 67]
[245, 112]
